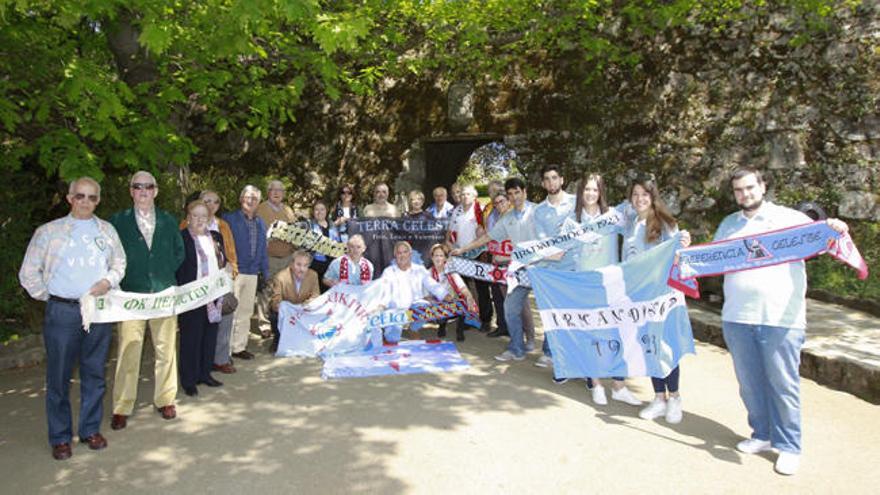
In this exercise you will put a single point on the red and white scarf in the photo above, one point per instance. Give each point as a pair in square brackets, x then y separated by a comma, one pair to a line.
[449, 278]
[458, 289]
[366, 276]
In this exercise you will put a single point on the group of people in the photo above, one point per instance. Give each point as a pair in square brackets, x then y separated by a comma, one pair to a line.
[146, 250]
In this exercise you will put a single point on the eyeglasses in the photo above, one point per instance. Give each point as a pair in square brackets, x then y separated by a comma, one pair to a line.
[80, 196]
[347, 193]
[141, 185]
[211, 201]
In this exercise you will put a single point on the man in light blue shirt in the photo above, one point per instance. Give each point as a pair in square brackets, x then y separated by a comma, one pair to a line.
[66, 259]
[440, 208]
[351, 268]
[550, 215]
[518, 226]
[764, 322]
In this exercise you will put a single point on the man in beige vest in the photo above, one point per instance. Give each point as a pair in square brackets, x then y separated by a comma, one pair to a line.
[272, 210]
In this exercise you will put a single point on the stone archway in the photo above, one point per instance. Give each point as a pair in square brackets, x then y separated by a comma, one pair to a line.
[438, 161]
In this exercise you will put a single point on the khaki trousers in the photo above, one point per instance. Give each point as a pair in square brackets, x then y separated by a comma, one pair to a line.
[163, 333]
[245, 289]
[275, 265]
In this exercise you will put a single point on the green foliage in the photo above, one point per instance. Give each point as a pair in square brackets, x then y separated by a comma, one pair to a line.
[104, 88]
[111, 85]
[830, 275]
[20, 214]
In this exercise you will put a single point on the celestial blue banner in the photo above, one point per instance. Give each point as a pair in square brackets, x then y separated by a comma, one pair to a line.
[619, 320]
[409, 357]
[765, 249]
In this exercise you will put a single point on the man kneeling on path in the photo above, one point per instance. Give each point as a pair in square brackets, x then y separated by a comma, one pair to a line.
[408, 286]
[296, 285]
[66, 259]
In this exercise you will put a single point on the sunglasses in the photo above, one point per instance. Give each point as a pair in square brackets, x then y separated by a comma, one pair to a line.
[80, 196]
[140, 185]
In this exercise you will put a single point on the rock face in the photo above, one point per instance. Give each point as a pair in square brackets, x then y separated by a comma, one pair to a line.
[698, 103]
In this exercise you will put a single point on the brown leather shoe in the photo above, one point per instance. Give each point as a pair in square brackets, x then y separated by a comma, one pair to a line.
[95, 441]
[119, 421]
[225, 368]
[243, 355]
[61, 451]
[167, 412]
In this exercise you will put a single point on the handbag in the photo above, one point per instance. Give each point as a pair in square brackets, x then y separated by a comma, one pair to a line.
[230, 303]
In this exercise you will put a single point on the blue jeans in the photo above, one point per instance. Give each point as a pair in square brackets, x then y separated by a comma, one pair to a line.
[513, 308]
[766, 360]
[66, 345]
[670, 383]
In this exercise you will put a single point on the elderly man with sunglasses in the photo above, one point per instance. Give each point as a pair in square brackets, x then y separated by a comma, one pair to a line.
[154, 250]
[66, 259]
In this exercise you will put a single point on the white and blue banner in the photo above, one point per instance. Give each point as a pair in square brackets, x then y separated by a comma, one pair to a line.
[409, 357]
[421, 313]
[619, 320]
[336, 322]
[768, 248]
[529, 252]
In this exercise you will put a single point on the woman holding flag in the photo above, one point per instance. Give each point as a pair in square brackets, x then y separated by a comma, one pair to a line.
[651, 225]
[589, 206]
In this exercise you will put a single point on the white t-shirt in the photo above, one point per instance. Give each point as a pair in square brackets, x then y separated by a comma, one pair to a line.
[463, 225]
[772, 295]
[405, 287]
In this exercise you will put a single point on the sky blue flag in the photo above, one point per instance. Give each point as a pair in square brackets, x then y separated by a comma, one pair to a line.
[410, 357]
[619, 320]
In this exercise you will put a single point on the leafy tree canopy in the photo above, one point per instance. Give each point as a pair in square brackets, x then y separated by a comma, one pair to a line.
[92, 86]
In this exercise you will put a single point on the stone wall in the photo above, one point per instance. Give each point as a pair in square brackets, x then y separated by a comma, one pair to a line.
[700, 102]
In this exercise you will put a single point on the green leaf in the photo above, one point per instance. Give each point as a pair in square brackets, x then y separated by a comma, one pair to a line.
[155, 37]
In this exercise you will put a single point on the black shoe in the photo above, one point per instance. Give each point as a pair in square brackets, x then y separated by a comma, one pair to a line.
[497, 333]
[486, 327]
[191, 391]
[243, 355]
[211, 382]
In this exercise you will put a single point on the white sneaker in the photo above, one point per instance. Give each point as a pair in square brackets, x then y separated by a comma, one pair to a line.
[507, 356]
[673, 410]
[625, 396]
[598, 393]
[753, 446]
[787, 463]
[544, 361]
[655, 409]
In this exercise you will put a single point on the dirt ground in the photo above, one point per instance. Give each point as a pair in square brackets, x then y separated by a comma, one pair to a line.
[277, 427]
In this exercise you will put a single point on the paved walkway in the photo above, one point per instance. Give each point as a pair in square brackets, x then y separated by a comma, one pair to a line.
[842, 349]
[276, 427]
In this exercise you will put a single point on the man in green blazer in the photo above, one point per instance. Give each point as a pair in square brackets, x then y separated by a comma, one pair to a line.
[154, 250]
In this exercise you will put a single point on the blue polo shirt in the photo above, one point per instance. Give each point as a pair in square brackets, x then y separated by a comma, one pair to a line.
[548, 224]
[599, 252]
[635, 240]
